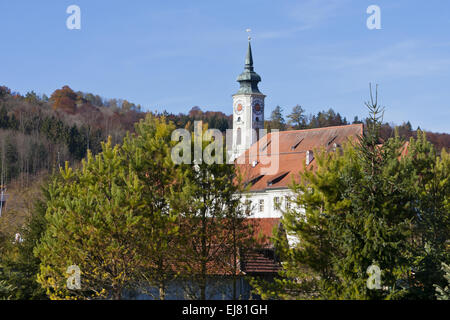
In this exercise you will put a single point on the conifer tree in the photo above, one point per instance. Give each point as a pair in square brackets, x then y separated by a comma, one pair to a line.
[93, 217]
[215, 229]
[352, 212]
[297, 118]
[376, 228]
[20, 266]
[429, 182]
[277, 120]
[444, 293]
[148, 152]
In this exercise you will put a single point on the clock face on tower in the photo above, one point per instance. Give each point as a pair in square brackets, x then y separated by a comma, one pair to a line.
[257, 106]
[238, 107]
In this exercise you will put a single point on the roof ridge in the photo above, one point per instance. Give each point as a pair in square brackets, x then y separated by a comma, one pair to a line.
[322, 128]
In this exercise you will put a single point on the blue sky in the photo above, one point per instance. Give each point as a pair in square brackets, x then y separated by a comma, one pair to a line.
[176, 54]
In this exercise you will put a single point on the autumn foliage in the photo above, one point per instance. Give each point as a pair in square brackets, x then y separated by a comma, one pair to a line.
[64, 99]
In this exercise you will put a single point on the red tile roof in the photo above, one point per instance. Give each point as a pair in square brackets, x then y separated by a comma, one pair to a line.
[259, 261]
[262, 229]
[262, 259]
[291, 154]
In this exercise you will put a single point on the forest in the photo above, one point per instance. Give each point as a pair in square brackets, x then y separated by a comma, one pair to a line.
[40, 133]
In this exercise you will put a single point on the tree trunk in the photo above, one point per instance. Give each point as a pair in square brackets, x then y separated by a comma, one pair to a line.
[162, 291]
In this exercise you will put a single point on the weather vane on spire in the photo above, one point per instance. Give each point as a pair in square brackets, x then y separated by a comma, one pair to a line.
[248, 31]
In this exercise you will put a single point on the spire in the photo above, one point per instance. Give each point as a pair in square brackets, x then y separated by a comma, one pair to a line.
[249, 57]
[249, 79]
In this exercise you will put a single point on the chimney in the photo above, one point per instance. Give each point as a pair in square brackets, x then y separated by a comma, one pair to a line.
[309, 157]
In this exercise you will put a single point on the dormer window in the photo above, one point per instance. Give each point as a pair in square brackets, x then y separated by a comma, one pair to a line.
[265, 147]
[309, 157]
[277, 178]
[331, 140]
[296, 145]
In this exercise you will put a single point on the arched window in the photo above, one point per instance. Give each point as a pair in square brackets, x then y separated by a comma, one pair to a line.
[238, 136]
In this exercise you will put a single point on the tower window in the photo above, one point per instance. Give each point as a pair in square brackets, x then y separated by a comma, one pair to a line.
[239, 119]
[261, 205]
[257, 119]
[238, 136]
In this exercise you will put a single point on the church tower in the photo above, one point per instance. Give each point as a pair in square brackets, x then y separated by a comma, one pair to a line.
[248, 108]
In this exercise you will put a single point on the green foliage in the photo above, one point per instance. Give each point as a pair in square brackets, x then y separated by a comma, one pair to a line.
[93, 216]
[430, 187]
[444, 293]
[297, 119]
[277, 120]
[148, 153]
[215, 230]
[5, 290]
[20, 266]
[366, 204]
[326, 119]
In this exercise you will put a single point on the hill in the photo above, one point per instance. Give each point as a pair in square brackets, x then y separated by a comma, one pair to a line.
[40, 133]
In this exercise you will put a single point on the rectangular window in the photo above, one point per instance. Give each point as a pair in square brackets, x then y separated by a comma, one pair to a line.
[287, 203]
[248, 206]
[276, 202]
[261, 205]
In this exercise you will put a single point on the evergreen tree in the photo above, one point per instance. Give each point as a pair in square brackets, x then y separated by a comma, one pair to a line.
[20, 265]
[352, 212]
[215, 230]
[5, 289]
[277, 120]
[297, 118]
[430, 188]
[444, 293]
[149, 153]
[93, 217]
[376, 228]
[4, 119]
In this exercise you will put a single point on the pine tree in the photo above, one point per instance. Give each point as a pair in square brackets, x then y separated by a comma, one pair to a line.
[93, 221]
[20, 265]
[4, 119]
[5, 290]
[376, 228]
[444, 293]
[149, 153]
[352, 212]
[430, 188]
[297, 118]
[277, 120]
[214, 229]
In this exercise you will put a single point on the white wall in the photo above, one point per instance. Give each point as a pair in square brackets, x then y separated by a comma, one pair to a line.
[270, 210]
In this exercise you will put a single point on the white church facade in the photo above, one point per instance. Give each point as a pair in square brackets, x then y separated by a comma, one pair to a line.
[270, 163]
